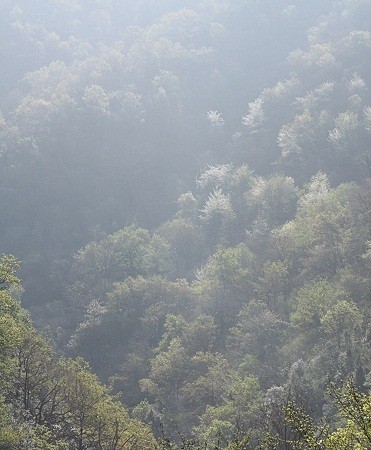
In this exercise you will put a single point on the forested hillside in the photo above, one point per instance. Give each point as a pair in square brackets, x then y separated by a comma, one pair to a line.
[187, 185]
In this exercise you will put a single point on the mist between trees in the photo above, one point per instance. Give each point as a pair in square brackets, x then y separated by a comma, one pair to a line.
[186, 190]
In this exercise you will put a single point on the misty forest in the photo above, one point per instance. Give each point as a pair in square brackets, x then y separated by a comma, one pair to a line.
[185, 225]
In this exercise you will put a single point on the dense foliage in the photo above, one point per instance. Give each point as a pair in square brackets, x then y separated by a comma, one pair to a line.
[188, 186]
[52, 403]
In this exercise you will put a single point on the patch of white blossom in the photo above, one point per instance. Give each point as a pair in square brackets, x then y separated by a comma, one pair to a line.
[356, 83]
[255, 118]
[215, 118]
[317, 189]
[217, 204]
[214, 176]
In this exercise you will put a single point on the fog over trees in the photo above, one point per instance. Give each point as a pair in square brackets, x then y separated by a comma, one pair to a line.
[185, 227]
